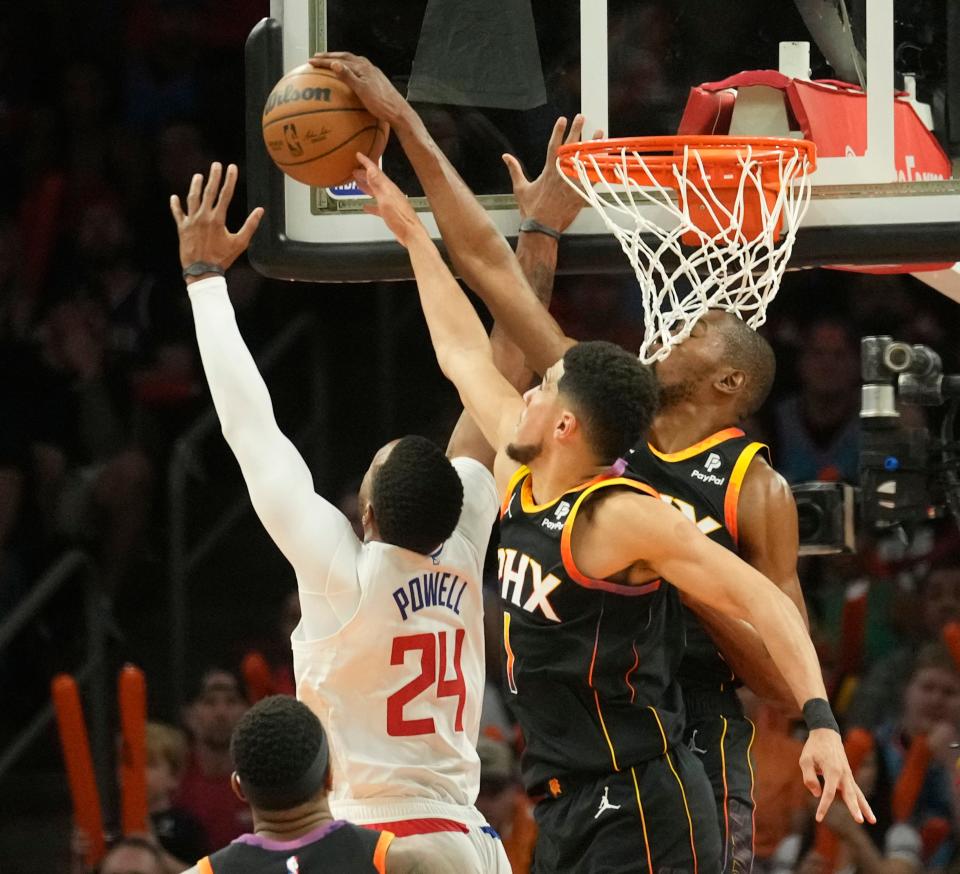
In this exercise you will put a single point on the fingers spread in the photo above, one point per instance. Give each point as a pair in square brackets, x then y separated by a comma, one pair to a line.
[226, 193]
[810, 779]
[213, 185]
[515, 170]
[576, 129]
[175, 208]
[829, 791]
[193, 195]
[556, 135]
[250, 226]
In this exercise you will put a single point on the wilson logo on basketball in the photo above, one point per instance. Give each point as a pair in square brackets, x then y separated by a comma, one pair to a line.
[291, 94]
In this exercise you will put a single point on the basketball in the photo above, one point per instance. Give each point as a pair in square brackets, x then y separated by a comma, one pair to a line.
[313, 126]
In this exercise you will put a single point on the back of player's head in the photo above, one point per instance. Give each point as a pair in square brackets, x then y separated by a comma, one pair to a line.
[280, 753]
[746, 350]
[416, 495]
[613, 395]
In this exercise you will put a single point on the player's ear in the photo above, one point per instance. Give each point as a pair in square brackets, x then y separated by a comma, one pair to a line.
[566, 426]
[237, 787]
[731, 382]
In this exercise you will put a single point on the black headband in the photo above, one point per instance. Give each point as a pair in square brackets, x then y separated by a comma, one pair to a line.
[290, 794]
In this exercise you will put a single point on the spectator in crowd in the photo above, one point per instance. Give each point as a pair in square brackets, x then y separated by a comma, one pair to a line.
[938, 603]
[504, 803]
[205, 792]
[133, 856]
[179, 834]
[817, 430]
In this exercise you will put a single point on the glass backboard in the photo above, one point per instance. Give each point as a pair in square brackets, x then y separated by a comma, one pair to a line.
[491, 77]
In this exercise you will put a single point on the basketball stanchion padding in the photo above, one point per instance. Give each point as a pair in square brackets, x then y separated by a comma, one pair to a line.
[314, 125]
[132, 698]
[724, 212]
[79, 764]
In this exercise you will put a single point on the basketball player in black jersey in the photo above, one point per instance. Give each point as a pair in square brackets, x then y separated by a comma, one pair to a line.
[593, 634]
[282, 771]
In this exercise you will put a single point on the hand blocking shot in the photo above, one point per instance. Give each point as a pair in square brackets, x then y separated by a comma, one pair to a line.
[599, 576]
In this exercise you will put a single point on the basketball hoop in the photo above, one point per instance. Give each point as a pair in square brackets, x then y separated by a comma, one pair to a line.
[734, 202]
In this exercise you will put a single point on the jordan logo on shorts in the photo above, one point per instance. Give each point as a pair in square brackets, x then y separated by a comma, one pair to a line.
[605, 803]
[693, 744]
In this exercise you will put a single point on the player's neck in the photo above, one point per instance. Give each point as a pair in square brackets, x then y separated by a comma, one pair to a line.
[288, 825]
[685, 424]
[556, 474]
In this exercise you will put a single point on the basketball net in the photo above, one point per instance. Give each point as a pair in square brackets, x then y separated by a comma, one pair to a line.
[722, 234]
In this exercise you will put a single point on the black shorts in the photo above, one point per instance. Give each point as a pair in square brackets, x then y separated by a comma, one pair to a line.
[657, 817]
[722, 737]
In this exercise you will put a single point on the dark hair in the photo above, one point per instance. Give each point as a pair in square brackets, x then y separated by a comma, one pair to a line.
[416, 495]
[748, 351]
[134, 843]
[275, 749]
[615, 396]
[201, 680]
[934, 655]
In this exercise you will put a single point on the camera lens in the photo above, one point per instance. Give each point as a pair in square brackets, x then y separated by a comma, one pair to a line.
[809, 519]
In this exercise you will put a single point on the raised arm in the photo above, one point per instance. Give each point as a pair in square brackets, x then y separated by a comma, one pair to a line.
[767, 523]
[459, 339]
[480, 253]
[308, 530]
[627, 529]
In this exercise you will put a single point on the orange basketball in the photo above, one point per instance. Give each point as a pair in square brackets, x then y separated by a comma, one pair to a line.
[313, 126]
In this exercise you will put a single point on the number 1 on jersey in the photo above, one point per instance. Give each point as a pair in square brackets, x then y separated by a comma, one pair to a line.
[428, 646]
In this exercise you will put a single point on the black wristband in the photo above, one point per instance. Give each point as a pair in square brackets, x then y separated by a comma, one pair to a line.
[817, 714]
[200, 268]
[529, 225]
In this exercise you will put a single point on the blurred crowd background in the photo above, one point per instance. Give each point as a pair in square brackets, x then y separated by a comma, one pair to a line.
[107, 446]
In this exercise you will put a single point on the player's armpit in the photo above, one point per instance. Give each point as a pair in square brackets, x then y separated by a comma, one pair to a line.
[768, 535]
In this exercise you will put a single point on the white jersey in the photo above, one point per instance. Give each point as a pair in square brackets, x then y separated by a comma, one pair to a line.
[399, 687]
[389, 650]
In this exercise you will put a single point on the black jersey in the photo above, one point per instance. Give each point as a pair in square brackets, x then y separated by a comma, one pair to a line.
[589, 662]
[331, 849]
[703, 481]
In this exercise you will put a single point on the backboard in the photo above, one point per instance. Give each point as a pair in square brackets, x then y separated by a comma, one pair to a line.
[490, 78]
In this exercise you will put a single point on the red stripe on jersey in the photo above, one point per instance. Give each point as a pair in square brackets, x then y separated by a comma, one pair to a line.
[405, 827]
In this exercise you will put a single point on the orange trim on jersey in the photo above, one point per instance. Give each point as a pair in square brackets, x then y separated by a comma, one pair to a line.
[686, 807]
[753, 815]
[529, 504]
[515, 478]
[204, 866]
[663, 734]
[726, 796]
[596, 696]
[697, 448]
[566, 551]
[511, 682]
[636, 663]
[731, 500]
[643, 821]
[380, 852]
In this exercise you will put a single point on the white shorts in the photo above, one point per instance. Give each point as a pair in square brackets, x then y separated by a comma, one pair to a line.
[452, 838]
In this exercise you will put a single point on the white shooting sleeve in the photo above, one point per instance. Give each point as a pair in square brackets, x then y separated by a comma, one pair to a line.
[316, 538]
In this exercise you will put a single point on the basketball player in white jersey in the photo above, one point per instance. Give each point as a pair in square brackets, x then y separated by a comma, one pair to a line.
[389, 652]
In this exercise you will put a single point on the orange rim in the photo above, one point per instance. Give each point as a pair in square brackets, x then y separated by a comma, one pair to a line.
[655, 159]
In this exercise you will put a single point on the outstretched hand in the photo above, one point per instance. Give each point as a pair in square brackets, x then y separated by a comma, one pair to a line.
[549, 198]
[392, 204]
[823, 755]
[368, 82]
[203, 230]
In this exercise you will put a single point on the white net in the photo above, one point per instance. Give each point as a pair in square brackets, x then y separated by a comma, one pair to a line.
[724, 269]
